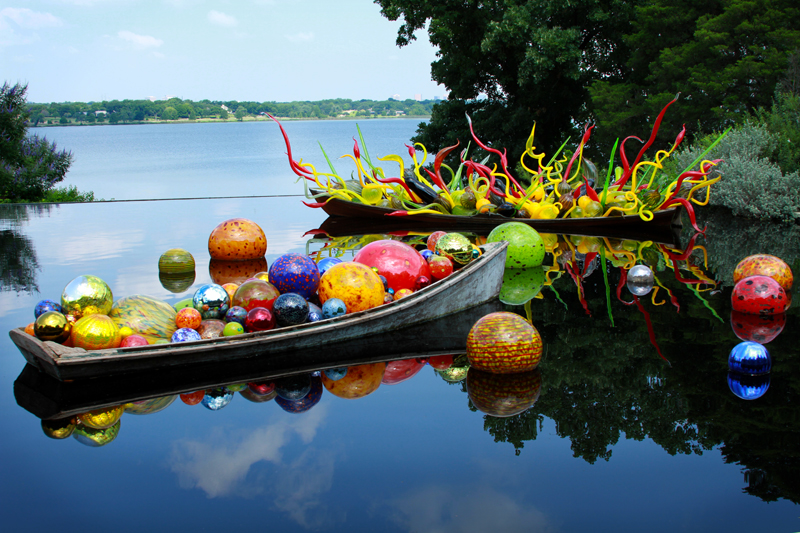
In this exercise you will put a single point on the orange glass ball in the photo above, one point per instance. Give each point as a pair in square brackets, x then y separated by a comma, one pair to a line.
[357, 285]
[504, 343]
[359, 381]
[765, 265]
[237, 239]
[503, 395]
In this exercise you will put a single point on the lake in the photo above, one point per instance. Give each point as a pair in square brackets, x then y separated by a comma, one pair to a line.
[631, 424]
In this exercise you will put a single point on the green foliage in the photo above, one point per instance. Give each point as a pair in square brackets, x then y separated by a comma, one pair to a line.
[783, 119]
[241, 112]
[724, 57]
[515, 62]
[59, 195]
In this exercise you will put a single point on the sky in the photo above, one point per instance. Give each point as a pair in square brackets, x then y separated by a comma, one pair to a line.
[245, 50]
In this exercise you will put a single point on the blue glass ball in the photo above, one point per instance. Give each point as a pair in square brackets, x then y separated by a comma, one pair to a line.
[44, 306]
[748, 387]
[216, 399]
[333, 307]
[326, 263]
[295, 273]
[314, 312]
[306, 402]
[185, 334]
[290, 309]
[212, 301]
[236, 314]
[749, 357]
[335, 374]
[426, 254]
[293, 387]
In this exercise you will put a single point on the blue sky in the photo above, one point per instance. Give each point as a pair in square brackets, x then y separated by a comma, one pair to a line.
[260, 50]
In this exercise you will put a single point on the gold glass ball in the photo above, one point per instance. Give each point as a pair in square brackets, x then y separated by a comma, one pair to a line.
[102, 418]
[455, 247]
[52, 326]
[58, 429]
[86, 295]
[95, 332]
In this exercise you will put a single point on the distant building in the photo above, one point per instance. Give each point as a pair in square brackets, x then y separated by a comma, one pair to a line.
[437, 98]
[151, 98]
[100, 112]
[418, 97]
[396, 96]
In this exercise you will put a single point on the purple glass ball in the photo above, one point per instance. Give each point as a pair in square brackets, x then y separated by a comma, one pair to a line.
[185, 335]
[236, 314]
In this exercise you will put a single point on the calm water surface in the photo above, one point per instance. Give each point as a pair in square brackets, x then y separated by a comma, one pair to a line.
[617, 440]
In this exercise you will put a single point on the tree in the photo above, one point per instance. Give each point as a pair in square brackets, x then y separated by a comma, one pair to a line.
[511, 63]
[725, 57]
[170, 113]
[240, 113]
[29, 165]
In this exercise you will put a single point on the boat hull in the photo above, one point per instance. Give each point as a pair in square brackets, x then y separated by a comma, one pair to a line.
[663, 226]
[470, 286]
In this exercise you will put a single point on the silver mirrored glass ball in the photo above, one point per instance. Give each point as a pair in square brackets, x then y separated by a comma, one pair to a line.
[640, 280]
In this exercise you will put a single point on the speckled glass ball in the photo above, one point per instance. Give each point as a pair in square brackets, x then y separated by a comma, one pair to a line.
[295, 273]
[259, 319]
[185, 335]
[402, 293]
[290, 309]
[326, 263]
[335, 374]
[211, 300]
[333, 307]
[749, 357]
[86, 295]
[525, 246]
[45, 306]
[640, 280]
[236, 314]
[188, 318]
[216, 399]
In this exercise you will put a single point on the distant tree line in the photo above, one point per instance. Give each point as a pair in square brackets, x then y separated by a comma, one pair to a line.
[137, 111]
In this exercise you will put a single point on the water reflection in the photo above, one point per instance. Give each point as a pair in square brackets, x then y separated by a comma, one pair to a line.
[19, 264]
[601, 381]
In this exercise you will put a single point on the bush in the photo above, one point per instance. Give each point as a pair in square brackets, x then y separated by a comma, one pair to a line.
[29, 165]
[752, 185]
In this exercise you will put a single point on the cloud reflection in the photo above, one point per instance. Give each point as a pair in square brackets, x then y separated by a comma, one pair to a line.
[450, 508]
[227, 466]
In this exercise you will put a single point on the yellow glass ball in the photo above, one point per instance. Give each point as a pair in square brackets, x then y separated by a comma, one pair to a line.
[102, 418]
[58, 429]
[95, 332]
[86, 295]
[52, 326]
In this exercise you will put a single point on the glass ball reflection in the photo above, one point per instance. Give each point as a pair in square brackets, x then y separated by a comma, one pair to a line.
[750, 358]
[640, 280]
[216, 399]
[748, 387]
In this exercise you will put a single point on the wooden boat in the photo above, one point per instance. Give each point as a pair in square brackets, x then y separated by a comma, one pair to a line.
[469, 286]
[48, 398]
[663, 225]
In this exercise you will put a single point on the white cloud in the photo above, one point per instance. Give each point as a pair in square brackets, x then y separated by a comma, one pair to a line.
[219, 469]
[25, 18]
[221, 19]
[301, 37]
[465, 509]
[139, 41]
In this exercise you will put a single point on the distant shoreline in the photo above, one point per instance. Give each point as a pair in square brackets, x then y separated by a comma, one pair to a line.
[231, 120]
